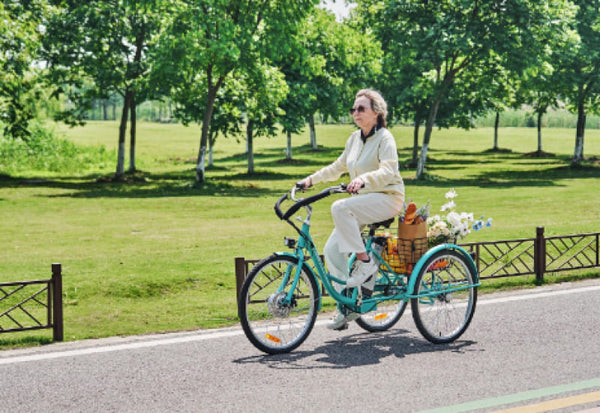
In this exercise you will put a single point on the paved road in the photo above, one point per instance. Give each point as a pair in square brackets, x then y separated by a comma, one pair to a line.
[522, 348]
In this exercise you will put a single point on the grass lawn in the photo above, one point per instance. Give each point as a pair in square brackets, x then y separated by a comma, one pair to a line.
[157, 253]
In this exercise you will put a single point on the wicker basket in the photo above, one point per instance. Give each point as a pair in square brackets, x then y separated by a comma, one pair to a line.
[402, 254]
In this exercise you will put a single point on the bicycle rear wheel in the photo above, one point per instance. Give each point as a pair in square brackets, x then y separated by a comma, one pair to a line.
[271, 322]
[446, 307]
[387, 314]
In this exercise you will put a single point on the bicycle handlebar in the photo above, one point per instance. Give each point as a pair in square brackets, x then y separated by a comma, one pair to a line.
[341, 188]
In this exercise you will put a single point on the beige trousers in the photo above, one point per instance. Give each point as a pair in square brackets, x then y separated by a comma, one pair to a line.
[350, 215]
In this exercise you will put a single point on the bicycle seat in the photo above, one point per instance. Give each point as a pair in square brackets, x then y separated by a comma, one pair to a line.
[385, 224]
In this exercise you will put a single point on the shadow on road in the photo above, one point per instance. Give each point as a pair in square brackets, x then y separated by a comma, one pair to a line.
[356, 350]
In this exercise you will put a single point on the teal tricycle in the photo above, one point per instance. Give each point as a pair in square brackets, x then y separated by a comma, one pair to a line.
[281, 296]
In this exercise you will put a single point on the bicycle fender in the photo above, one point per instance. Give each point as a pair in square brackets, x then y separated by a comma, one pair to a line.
[417, 269]
[310, 273]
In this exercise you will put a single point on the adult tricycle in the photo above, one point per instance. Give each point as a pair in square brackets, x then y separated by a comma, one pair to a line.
[281, 296]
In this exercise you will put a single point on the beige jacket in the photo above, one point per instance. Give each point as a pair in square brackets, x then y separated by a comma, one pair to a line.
[375, 161]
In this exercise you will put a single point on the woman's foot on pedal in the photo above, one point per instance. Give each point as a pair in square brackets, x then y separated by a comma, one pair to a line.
[340, 321]
[361, 271]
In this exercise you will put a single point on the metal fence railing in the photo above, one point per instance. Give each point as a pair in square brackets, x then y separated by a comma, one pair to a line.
[509, 258]
[33, 305]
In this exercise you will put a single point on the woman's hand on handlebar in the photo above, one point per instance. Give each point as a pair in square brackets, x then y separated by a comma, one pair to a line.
[355, 185]
[304, 184]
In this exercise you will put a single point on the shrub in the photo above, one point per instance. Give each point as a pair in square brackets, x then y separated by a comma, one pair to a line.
[44, 151]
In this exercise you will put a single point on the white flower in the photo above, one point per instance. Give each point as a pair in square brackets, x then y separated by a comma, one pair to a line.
[451, 194]
[454, 219]
[464, 231]
[449, 206]
[467, 217]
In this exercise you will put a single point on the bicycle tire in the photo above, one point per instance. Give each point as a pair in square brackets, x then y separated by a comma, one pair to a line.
[386, 315]
[270, 324]
[444, 317]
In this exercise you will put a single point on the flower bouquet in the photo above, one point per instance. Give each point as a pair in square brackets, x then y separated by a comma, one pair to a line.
[453, 225]
[418, 231]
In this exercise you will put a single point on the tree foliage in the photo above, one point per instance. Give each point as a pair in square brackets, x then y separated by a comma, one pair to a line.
[435, 43]
[210, 39]
[579, 73]
[20, 36]
[255, 66]
[100, 47]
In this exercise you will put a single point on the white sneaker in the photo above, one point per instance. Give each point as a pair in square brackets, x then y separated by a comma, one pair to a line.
[361, 271]
[340, 322]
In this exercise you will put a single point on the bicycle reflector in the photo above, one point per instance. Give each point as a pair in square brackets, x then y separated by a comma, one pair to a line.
[289, 242]
[273, 338]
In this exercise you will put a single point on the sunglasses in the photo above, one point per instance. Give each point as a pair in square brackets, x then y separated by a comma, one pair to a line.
[359, 109]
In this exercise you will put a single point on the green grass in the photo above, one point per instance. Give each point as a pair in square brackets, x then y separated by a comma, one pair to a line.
[157, 253]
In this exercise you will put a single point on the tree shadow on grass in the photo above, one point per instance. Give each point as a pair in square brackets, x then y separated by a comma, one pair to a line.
[304, 155]
[150, 185]
[181, 183]
[542, 172]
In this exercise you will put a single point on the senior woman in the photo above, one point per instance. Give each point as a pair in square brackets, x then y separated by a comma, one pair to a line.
[371, 159]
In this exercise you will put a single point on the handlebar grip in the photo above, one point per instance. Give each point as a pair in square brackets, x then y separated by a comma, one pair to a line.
[303, 202]
[278, 208]
[306, 201]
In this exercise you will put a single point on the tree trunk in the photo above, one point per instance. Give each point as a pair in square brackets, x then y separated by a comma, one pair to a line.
[132, 133]
[539, 130]
[415, 150]
[105, 109]
[427, 137]
[446, 83]
[250, 148]
[313, 134]
[496, 125]
[211, 143]
[140, 38]
[122, 129]
[210, 103]
[581, 116]
[288, 151]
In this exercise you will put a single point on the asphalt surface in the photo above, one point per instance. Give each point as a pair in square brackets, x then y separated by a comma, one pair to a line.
[522, 347]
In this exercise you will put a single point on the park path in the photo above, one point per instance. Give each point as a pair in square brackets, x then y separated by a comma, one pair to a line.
[522, 348]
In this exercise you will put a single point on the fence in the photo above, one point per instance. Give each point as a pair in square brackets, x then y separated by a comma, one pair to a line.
[509, 258]
[33, 305]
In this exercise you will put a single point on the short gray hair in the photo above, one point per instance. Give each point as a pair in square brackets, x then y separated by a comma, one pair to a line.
[377, 104]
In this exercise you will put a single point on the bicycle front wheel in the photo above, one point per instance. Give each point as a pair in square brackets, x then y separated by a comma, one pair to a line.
[272, 321]
[447, 297]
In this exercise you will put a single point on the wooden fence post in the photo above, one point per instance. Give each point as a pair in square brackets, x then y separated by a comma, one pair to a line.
[240, 275]
[539, 255]
[57, 306]
[597, 250]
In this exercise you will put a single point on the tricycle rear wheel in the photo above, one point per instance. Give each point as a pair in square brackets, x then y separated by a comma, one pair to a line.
[386, 315]
[447, 296]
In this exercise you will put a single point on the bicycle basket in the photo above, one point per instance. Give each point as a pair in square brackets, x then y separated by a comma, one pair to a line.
[411, 250]
[390, 255]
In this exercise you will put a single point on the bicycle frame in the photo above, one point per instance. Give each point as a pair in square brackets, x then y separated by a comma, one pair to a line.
[305, 250]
